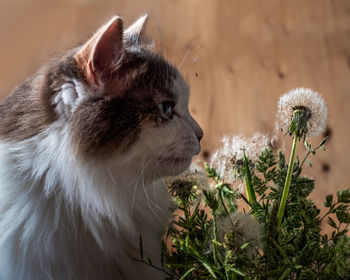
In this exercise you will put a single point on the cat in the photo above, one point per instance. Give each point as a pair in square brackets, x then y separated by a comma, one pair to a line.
[84, 145]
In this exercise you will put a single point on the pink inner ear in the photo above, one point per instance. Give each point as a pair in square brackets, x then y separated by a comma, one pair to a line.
[109, 47]
[92, 75]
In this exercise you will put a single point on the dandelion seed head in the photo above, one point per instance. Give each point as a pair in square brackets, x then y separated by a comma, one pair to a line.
[195, 174]
[303, 98]
[238, 229]
[231, 153]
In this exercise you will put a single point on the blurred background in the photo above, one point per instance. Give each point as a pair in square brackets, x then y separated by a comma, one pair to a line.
[237, 56]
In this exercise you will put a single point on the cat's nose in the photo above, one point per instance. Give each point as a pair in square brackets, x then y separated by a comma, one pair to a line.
[197, 129]
[199, 133]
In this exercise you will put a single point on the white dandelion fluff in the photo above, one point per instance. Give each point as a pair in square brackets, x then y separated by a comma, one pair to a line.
[197, 174]
[314, 111]
[194, 174]
[238, 229]
[232, 151]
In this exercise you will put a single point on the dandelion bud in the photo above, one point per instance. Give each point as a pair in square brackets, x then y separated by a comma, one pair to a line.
[300, 118]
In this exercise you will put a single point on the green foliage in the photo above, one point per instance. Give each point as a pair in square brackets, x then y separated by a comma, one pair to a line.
[210, 239]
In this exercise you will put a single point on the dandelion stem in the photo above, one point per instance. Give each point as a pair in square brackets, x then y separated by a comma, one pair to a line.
[222, 200]
[287, 182]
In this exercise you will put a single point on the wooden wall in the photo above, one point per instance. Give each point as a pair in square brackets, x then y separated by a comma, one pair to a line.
[238, 57]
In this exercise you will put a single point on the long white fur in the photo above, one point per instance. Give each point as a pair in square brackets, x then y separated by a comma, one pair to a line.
[43, 189]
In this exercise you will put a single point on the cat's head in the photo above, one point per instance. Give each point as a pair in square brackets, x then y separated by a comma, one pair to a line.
[128, 102]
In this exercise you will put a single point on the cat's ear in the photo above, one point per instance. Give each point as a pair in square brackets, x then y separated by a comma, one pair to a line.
[101, 54]
[137, 29]
[134, 35]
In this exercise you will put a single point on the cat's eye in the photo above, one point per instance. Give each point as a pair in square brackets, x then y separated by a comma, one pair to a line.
[167, 108]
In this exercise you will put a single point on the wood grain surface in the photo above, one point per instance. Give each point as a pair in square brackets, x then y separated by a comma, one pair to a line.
[237, 56]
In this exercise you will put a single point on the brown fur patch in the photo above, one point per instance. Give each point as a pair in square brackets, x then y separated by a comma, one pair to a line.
[28, 110]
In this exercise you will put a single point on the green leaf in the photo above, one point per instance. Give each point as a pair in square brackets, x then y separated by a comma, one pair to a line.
[235, 270]
[323, 141]
[285, 273]
[187, 240]
[343, 196]
[188, 272]
[248, 182]
[210, 270]
[245, 245]
[309, 162]
[329, 199]
[211, 201]
[331, 222]
[343, 217]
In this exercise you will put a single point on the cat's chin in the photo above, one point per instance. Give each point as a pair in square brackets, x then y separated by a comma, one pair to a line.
[173, 165]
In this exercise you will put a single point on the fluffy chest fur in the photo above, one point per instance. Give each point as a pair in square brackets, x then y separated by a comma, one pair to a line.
[62, 220]
[84, 144]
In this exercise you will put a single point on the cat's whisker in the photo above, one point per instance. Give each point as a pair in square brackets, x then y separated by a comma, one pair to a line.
[164, 155]
[141, 176]
[136, 184]
[149, 202]
[111, 176]
[138, 178]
